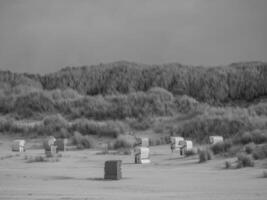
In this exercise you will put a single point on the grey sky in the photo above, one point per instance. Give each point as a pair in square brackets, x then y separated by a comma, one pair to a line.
[41, 36]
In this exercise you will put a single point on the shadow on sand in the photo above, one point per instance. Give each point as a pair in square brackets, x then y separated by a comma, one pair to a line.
[84, 179]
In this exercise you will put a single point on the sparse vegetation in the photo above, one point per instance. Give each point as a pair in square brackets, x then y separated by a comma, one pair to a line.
[33, 159]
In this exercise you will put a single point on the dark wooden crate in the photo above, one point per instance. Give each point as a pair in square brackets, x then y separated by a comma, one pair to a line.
[113, 170]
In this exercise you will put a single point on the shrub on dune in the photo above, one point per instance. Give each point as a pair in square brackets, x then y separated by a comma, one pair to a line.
[260, 152]
[33, 104]
[249, 148]
[83, 141]
[246, 138]
[260, 108]
[55, 125]
[186, 104]
[244, 160]
[204, 155]
[124, 141]
[224, 121]
[140, 123]
[256, 136]
[221, 147]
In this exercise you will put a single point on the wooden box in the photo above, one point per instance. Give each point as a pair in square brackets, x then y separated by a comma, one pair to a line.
[113, 170]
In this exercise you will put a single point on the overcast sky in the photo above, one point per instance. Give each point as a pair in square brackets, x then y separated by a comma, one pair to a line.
[41, 36]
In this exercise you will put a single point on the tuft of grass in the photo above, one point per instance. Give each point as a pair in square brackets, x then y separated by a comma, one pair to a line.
[204, 155]
[244, 160]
